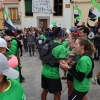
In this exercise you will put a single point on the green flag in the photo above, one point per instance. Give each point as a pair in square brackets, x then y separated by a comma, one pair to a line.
[77, 14]
[8, 23]
[94, 11]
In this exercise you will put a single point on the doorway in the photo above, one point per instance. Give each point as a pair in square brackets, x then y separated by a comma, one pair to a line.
[43, 23]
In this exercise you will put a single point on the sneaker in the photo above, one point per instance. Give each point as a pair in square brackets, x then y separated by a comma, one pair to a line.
[97, 58]
[94, 80]
[98, 82]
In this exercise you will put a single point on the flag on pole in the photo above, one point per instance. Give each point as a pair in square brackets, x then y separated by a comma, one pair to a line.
[77, 14]
[94, 11]
[8, 23]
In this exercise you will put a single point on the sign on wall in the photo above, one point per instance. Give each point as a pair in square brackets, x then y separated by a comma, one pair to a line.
[43, 6]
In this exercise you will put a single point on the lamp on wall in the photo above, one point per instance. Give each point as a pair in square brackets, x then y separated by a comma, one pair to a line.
[1, 5]
[19, 14]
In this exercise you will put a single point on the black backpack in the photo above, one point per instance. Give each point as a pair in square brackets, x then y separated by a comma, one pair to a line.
[46, 54]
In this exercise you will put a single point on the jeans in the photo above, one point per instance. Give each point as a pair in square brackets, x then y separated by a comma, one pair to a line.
[31, 49]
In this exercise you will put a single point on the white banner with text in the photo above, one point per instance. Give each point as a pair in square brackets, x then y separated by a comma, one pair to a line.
[41, 6]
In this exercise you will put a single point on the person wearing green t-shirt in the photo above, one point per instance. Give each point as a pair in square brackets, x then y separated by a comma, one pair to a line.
[83, 69]
[41, 41]
[9, 89]
[13, 51]
[83, 32]
[50, 73]
[66, 45]
[15, 42]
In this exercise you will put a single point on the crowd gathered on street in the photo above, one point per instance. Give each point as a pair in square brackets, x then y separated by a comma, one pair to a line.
[73, 50]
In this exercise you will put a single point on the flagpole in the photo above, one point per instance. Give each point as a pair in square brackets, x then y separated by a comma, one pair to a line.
[88, 13]
[74, 5]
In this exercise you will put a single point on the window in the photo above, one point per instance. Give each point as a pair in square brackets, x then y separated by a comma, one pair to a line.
[14, 14]
[28, 8]
[58, 7]
[1, 20]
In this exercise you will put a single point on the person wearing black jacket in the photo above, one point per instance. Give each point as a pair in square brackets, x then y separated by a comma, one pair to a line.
[95, 27]
[78, 26]
[97, 45]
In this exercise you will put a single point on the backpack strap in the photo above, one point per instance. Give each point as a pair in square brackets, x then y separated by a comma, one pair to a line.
[91, 72]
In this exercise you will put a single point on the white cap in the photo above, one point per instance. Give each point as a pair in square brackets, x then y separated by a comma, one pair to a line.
[68, 31]
[5, 69]
[3, 43]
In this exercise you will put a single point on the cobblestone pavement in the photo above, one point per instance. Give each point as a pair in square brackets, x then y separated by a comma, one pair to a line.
[32, 72]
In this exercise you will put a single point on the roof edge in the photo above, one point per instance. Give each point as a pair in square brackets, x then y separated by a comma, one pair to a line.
[82, 1]
[10, 2]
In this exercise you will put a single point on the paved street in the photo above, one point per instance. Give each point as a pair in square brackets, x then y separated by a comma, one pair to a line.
[32, 72]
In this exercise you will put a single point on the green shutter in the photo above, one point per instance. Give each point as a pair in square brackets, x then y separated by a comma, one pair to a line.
[28, 7]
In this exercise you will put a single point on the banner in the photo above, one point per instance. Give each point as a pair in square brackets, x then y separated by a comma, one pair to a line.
[41, 6]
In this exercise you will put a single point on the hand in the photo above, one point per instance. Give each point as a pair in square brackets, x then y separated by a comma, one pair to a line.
[64, 65]
[73, 52]
[72, 63]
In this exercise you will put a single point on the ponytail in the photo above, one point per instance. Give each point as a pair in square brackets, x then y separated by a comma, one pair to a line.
[88, 46]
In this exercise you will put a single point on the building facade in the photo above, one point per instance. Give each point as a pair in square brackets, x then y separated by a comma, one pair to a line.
[62, 15]
[84, 5]
[21, 14]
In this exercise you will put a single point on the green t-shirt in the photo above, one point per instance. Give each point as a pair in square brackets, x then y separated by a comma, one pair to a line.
[14, 42]
[13, 51]
[53, 72]
[84, 65]
[66, 45]
[14, 92]
[43, 37]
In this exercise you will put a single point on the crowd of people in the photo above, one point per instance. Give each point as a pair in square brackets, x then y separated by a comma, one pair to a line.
[73, 50]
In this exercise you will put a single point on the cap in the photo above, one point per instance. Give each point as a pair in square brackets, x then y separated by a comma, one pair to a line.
[3, 43]
[5, 69]
[68, 31]
[72, 29]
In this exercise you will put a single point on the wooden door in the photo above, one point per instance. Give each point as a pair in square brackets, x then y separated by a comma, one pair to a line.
[43, 23]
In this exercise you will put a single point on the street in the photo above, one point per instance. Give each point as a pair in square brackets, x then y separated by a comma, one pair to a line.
[31, 70]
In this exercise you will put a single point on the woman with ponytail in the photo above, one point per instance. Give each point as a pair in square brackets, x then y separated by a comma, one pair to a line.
[82, 72]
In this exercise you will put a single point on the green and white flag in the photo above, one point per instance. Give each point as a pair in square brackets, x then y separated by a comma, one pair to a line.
[8, 23]
[77, 14]
[94, 11]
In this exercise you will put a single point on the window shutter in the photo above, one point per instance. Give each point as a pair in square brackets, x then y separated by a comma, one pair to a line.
[28, 8]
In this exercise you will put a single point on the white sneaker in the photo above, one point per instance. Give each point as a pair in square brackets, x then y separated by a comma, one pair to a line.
[94, 80]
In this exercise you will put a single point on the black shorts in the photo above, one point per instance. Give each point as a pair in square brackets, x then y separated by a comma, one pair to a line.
[69, 77]
[77, 95]
[53, 85]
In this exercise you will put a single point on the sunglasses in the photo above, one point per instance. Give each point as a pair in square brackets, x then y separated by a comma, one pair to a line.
[9, 40]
